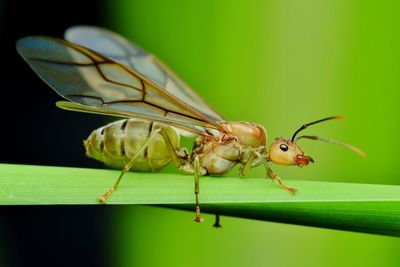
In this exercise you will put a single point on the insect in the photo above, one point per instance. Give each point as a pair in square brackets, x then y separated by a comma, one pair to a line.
[100, 72]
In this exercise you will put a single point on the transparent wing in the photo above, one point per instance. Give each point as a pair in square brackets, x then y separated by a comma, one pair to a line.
[187, 130]
[121, 50]
[97, 84]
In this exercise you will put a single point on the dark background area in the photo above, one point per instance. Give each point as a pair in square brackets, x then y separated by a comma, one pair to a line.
[31, 131]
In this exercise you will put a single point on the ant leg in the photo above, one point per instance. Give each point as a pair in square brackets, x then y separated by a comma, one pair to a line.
[197, 187]
[217, 224]
[274, 176]
[182, 163]
[172, 151]
[248, 165]
[128, 166]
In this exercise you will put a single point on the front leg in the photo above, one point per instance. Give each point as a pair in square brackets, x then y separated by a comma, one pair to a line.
[274, 176]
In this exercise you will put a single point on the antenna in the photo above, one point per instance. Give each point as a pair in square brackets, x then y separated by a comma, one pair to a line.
[315, 122]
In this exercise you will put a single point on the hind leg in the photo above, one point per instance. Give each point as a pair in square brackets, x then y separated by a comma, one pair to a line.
[128, 166]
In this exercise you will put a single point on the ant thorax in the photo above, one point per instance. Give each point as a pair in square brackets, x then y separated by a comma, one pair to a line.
[219, 152]
[248, 134]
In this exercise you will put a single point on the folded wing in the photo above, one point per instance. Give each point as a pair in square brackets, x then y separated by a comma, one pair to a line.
[125, 52]
[89, 79]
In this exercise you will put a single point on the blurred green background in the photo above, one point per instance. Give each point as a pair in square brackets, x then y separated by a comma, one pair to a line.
[276, 62]
[281, 64]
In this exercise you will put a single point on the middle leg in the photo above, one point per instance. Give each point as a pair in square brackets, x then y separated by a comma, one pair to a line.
[197, 187]
[183, 163]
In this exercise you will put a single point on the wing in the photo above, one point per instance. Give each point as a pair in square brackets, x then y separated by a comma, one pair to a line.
[121, 50]
[97, 84]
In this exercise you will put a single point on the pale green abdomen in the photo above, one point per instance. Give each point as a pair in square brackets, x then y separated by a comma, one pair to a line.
[116, 143]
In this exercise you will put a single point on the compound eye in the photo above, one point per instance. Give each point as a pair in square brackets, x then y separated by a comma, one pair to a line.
[284, 147]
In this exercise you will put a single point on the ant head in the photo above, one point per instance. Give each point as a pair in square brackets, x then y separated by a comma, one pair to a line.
[287, 152]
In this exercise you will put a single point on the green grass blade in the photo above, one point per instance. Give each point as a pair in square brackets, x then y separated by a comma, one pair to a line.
[357, 207]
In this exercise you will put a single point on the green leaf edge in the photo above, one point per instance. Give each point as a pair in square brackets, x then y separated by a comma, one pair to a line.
[369, 208]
